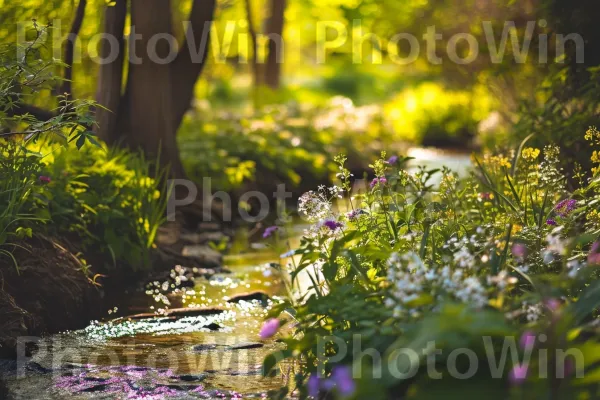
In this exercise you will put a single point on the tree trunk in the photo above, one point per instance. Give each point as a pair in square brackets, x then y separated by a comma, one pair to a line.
[274, 32]
[192, 58]
[256, 75]
[110, 79]
[146, 114]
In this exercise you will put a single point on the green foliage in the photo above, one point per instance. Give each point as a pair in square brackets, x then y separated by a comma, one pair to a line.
[106, 201]
[56, 179]
[432, 115]
[286, 143]
[469, 263]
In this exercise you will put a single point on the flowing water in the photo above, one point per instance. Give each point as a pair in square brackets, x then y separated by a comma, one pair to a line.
[209, 349]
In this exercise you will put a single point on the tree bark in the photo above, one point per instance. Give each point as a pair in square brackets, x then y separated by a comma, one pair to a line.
[146, 113]
[191, 59]
[256, 75]
[274, 32]
[69, 52]
[110, 78]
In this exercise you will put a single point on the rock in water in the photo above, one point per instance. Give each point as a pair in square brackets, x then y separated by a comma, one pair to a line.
[203, 254]
[246, 346]
[205, 347]
[258, 295]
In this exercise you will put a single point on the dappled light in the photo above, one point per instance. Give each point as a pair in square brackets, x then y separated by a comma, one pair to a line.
[299, 199]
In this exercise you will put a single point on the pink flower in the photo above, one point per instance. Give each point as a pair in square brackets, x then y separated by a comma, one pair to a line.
[552, 304]
[44, 179]
[269, 329]
[594, 254]
[485, 196]
[527, 340]
[518, 374]
[519, 250]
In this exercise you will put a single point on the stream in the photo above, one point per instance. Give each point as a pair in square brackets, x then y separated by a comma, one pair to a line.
[206, 347]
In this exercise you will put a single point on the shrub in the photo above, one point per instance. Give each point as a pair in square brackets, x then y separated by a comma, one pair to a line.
[105, 201]
[285, 143]
[507, 253]
[431, 115]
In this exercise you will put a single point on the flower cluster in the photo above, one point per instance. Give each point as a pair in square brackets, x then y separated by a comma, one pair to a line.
[565, 207]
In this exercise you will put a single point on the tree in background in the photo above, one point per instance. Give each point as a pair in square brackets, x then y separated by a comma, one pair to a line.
[143, 108]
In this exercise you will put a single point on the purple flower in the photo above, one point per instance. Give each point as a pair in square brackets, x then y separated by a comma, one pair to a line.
[269, 231]
[527, 340]
[564, 207]
[519, 250]
[553, 304]
[485, 196]
[313, 385]
[352, 215]
[332, 225]
[44, 179]
[551, 222]
[382, 181]
[342, 376]
[374, 183]
[518, 374]
[269, 329]
[392, 160]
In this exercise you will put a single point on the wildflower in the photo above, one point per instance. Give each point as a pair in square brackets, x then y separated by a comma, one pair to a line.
[527, 340]
[269, 329]
[382, 181]
[518, 374]
[44, 179]
[530, 153]
[342, 376]
[313, 385]
[269, 231]
[594, 255]
[485, 196]
[551, 222]
[564, 207]
[314, 206]
[392, 160]
[332, 225]
[552, 304]
[592, 135]
[519, 250]
[352, 215]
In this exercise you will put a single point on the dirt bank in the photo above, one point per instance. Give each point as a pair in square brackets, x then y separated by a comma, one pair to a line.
[46, 291]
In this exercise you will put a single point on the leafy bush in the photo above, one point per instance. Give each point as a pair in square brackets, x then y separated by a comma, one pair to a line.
[432, 115]
[101, 200]
[288, 143]
[105, 200]
[502, 262]
[561, 111]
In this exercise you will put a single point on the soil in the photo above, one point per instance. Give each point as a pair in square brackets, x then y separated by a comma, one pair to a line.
[45, 292]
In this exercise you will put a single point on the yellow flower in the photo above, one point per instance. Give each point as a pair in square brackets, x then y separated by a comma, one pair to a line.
[530, 153]
[592, 135]
[593, 217]
[595, 157]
